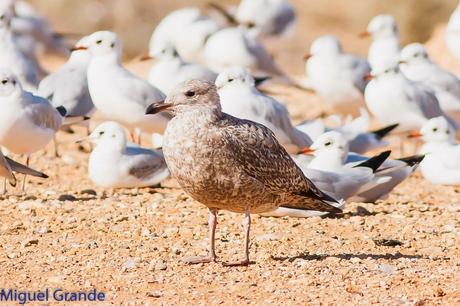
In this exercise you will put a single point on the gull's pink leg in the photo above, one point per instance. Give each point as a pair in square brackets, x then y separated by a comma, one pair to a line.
[212, 224]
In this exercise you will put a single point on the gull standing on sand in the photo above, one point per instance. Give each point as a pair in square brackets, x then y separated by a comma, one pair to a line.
[417, 66]
[240, 98]
[392, 98]
[11, 56]
[229, 163]
[27, 122]
[117, 93]
[385, 44]
[114, 164]
[441, 165]
[337, 77]
[169, 70]
[452, 34]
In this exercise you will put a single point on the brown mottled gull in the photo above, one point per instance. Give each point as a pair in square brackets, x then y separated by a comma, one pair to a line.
[230, 163]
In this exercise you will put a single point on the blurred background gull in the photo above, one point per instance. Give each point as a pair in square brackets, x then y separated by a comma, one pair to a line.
[135, 21]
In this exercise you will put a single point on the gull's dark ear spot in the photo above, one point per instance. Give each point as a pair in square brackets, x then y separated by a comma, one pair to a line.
[112, 45]
[190, 93]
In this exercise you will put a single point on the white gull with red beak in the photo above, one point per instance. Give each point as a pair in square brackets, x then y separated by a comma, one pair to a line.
[117, 93]
[441, 165]
[337, 77]
[392, 98]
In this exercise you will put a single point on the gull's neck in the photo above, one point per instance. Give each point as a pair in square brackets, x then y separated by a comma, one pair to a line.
[330, 160]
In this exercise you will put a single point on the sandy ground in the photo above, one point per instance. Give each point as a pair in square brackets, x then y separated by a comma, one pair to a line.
[66, 233]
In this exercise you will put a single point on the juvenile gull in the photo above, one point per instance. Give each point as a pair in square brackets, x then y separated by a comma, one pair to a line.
[240, 98]
[115, 164]
[230, 163]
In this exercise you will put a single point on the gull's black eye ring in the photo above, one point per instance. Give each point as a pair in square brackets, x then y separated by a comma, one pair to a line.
[190, 93]
[101, 133]
[99, 41]
[327, 144]
[435, 130]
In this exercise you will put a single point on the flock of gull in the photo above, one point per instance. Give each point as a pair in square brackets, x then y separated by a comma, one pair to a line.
[215, 128]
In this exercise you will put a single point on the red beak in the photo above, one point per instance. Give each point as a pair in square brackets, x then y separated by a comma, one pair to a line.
[415, 134]
[364, 34]
[78, 48]
[307, 56]
[367, 77]
[146, 58]
[307, 151]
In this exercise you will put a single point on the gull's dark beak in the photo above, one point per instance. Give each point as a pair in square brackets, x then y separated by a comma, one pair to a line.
[78, 48]
[157, 108]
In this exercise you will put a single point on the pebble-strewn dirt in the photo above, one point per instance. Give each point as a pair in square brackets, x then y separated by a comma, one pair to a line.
[66, 233]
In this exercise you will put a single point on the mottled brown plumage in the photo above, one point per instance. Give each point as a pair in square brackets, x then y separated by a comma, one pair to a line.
[229, 163]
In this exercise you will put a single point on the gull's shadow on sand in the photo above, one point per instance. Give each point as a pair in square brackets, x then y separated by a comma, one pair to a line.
[347, 256]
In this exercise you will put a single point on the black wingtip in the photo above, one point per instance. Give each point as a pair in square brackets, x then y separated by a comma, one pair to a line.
[62, 110]
[374, 162]
[381, 133]
[260, 80]
[412, 160]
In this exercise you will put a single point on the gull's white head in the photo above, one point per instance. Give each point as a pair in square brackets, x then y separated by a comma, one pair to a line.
[414, 53]
[331, 144]
[9, 84]
[102, 43]
[235, 76]
[327, 44]
[383, 26]
[109, 134]
[437, 130]
[387, 68]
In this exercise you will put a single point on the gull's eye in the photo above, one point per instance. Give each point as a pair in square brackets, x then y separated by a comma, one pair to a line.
[4, 81]
[230, 80]
[2, 17]
[435, 130]
[447, 132]
[327, 144]
[387, 71]
[99, 41]
[190, 93]
[250, 25]
[101, 133]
